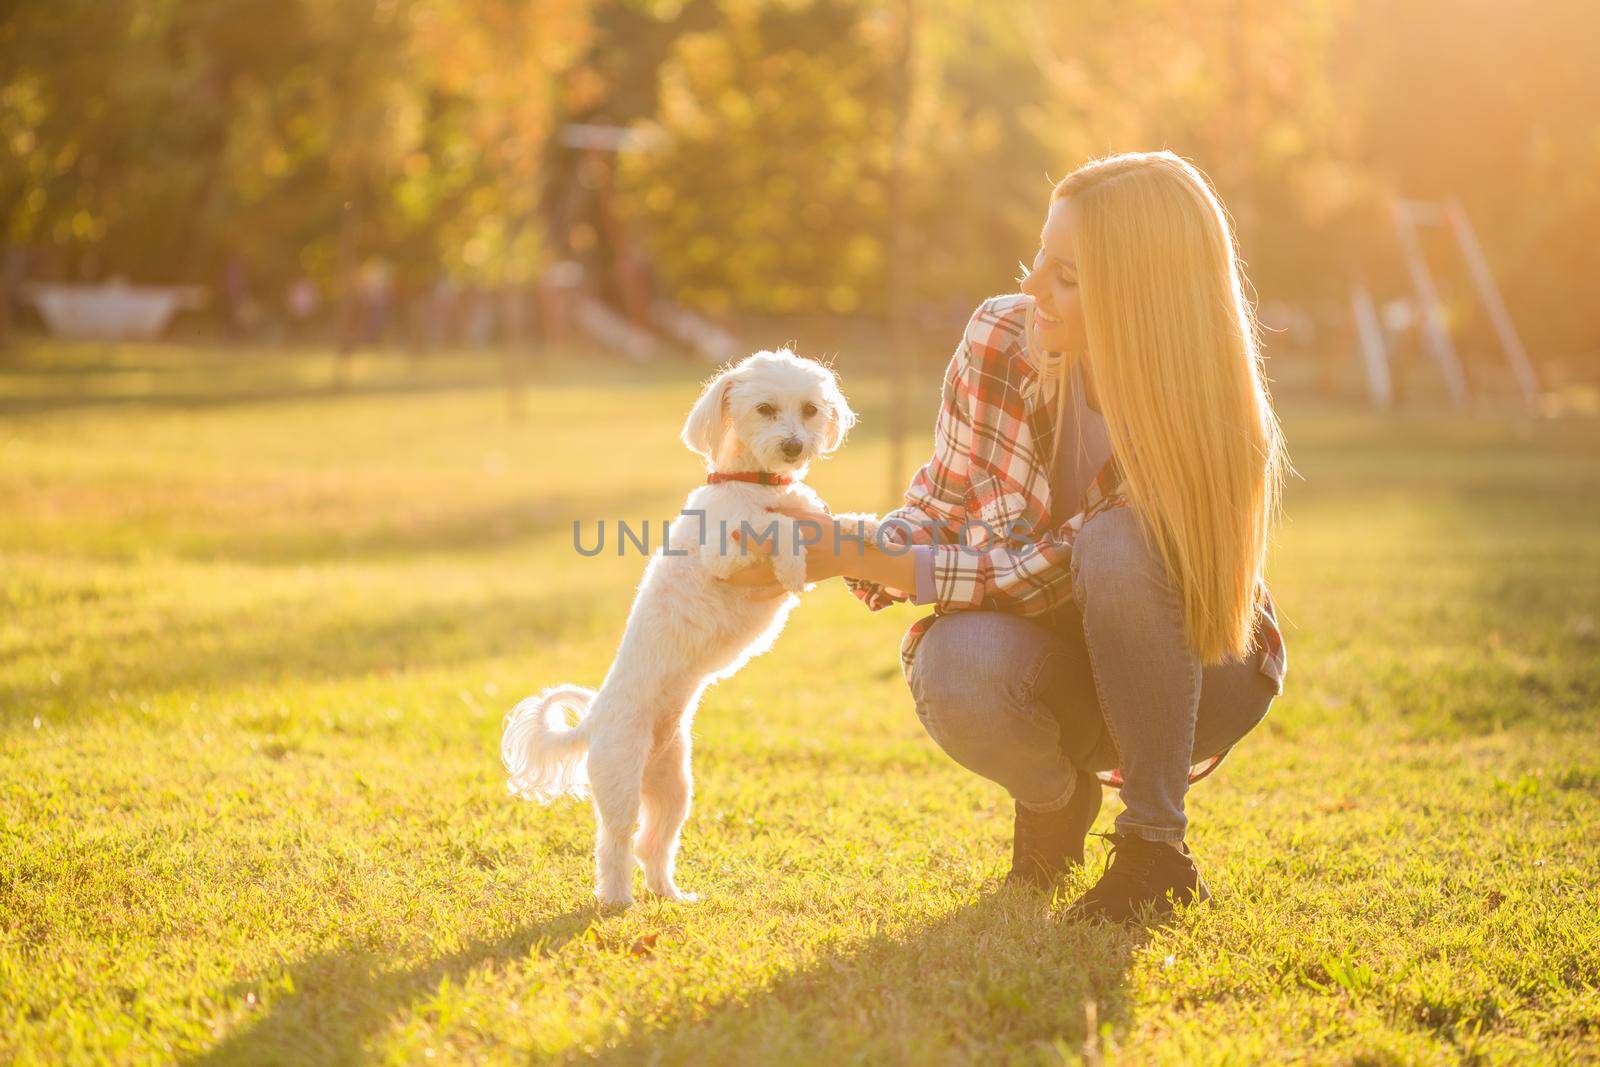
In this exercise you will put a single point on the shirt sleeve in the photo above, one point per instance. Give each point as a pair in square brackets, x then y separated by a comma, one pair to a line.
[875, 596]
[1027, 579]
[923, 558]
[935, 502]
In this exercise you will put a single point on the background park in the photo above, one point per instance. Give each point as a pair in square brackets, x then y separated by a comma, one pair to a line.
[320, 323]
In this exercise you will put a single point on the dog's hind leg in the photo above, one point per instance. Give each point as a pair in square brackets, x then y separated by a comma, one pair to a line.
[616, 768]
[667, 790]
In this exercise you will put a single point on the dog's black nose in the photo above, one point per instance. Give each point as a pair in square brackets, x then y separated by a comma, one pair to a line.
[791, 448]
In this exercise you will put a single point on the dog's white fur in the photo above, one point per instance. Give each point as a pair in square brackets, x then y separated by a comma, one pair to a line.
[686, 630]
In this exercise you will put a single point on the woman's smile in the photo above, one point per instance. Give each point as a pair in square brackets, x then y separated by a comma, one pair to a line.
[1052, 281]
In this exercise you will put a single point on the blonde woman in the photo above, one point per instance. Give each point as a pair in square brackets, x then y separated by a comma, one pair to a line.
[1092, 530]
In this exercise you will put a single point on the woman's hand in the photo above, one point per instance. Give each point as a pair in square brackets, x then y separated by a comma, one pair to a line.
[822, 560]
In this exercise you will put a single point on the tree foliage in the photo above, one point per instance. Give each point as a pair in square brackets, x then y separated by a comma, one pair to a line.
[157, 139]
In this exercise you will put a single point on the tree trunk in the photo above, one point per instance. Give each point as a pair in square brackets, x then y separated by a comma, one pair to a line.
[900, 280]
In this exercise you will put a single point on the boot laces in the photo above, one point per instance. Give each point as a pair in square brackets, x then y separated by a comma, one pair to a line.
[1127, 865]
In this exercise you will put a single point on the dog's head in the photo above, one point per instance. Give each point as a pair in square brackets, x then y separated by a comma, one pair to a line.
[777, 409]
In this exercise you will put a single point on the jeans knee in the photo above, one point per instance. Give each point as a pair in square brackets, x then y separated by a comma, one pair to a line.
[1117, 571]
[943, 688]
[970, 667]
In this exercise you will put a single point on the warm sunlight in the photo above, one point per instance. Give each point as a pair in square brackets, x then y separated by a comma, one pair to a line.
[799, 531]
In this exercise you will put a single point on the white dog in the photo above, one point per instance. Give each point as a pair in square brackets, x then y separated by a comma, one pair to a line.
[758, 425]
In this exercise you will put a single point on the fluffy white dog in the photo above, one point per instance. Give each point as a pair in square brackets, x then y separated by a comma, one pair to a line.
[758, 425]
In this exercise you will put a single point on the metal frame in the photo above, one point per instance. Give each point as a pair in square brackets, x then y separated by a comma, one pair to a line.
[1409, 215]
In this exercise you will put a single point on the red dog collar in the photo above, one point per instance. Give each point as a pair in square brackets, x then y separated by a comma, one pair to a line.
[758, 477]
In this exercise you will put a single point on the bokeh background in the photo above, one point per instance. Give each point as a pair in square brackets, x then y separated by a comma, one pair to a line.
[324, 320]
[854, 176]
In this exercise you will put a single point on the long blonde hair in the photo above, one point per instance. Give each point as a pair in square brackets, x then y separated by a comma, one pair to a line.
[1174, 357]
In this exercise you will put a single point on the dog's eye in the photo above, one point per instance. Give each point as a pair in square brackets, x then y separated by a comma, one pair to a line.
[766, 409]
[808, 410]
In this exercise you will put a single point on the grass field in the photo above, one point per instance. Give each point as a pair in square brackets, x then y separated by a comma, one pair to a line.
[257, 638]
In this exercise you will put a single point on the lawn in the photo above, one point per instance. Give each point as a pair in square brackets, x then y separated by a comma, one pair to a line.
[258, 634]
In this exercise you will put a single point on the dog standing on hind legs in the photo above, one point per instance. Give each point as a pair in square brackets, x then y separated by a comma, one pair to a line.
[758, 425]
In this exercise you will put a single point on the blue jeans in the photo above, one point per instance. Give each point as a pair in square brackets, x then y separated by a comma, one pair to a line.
[1110, 680]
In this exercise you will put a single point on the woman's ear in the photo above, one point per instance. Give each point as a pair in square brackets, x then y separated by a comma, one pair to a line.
[840, 417]
[708, 418]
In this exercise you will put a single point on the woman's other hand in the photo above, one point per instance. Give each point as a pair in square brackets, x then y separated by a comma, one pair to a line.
[822, 555]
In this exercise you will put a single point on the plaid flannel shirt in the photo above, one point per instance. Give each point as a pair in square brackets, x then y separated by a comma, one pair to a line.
[982, 501]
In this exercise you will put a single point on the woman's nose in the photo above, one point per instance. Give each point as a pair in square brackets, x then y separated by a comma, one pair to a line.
[1026, 285]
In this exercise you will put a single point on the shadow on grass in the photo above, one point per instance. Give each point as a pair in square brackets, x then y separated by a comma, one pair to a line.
[457, 532]
[209, 377]
[203, 398]
[62, 379]
[341, 999]
[281, 645]
[1001, 978]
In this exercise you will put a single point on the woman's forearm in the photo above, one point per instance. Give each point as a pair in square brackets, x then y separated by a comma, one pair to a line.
[870, 563]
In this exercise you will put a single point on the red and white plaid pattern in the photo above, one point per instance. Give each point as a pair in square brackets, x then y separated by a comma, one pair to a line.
[983, 499]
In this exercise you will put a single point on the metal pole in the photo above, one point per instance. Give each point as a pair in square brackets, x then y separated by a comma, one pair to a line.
[1374, 353]
[1433, 327]
[900, 272]
[1478, 263]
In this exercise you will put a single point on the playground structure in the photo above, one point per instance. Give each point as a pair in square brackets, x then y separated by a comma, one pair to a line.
[603, 285]
[599, 285]
[1408, 217]
[110, 311]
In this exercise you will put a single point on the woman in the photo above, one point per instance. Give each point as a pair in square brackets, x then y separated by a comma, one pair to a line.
[1092, 530]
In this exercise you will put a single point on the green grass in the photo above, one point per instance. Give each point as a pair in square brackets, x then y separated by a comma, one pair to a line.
[257, 637]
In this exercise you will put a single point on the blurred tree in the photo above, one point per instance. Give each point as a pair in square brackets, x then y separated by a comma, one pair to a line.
[94, 94]
[1241, 87]
[764, 129]
[1499, 105]
[159, 138]
[774, 188]
[494, 69]
[165, 139]
[981, 155]
[769, 192]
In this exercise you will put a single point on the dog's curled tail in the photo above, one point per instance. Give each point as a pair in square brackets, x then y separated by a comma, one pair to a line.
[543, 756]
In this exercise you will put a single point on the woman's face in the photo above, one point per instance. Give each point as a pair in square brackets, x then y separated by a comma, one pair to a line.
[1052, 281]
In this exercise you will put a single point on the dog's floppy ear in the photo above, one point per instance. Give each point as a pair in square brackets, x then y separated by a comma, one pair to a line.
[840, 416]
[704, 427]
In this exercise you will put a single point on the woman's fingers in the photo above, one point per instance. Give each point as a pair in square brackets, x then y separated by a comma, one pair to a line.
[763, 542]
[800, 511]
[759, 573]
[757, 582]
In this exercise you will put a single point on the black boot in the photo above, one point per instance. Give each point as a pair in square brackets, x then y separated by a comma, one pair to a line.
[1143, 878]
[1046, 845]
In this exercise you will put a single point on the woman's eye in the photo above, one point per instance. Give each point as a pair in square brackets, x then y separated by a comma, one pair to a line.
[766, 409]
[808, 410]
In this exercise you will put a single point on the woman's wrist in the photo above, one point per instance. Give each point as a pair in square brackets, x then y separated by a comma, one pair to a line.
[822, 563]
[869, 563]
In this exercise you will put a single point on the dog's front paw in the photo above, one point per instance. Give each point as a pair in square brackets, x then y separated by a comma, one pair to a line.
[856, 530]
[857, 524]
[790, 572]
[721, 564]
